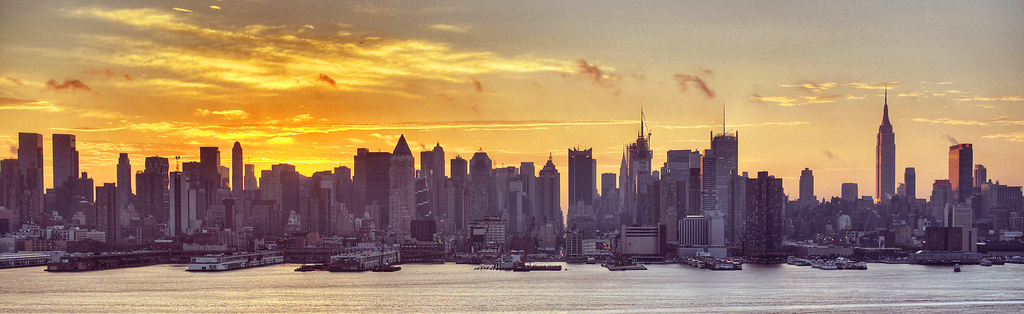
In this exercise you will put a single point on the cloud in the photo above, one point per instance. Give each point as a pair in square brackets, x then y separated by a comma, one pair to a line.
[327, 80]
[300, 118]
[15, 81]
[476, 84]
[830, 155]
[1001, 121]
[1013, 137]
[787, 101]
[298, 126]
[183, 10]
[814, 87]
[686, 80]
[708, 126]
[270, 58]
[913, 94]
[1007, 98]
[73, 85]
[108, 73]
[952, 140]
[22, 104]
[450, 28]
[876, 85]
[593, 73]
[233, 114]
[281, 140]
[215, 7]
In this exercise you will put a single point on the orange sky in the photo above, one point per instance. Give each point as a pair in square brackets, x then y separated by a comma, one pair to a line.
[307, 83]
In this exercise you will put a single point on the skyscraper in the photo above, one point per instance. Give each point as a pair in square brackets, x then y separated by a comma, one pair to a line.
[124, 181]
[10, 189]
[582, 179]
[456, 192]
[182, 205]
[722, 185]
[402, 197]
[371, 182]
[250, 178]
[65, 159]
[910, 179]
[850, 192]
[885, 157]
[237, 182]
[107, 211]
[807, 185]
[549, 196]
[961, 160]
[765, 201]
[30, 166]
[478, 187]
[638, 178]
[980, 176]
[65, 171]
[432, 166]
[151, 188]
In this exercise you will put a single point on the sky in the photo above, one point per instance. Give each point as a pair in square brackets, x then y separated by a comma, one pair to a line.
[309, 82]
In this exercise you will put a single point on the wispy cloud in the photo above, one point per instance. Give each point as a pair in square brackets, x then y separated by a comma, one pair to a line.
[450, 28]
[1013, 137]
[814, 87]
[591, 72]
[23, 104]
[741, 125]
[685, 81]
[1006, 98]
[300, 127]
[1001, 121]
[68, 84]
[787, 101]
[876, 85]
[265, 57]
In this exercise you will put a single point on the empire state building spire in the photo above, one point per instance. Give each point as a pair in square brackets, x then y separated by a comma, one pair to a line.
[885, 156]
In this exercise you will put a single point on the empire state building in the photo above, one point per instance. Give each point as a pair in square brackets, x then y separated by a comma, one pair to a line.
[885, 157]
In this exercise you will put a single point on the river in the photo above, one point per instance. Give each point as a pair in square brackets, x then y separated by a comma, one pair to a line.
[459, 288]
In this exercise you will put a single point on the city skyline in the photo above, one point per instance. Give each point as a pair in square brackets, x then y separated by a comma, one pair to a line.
[131, 79]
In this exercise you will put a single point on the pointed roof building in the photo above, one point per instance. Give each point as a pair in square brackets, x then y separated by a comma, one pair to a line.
[402, 148]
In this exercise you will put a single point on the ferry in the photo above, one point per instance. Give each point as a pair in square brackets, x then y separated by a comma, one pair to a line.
[221, 262]
[363, 260]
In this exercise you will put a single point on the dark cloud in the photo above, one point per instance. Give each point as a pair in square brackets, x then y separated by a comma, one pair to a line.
[446, 97]
[326, 80]
[706, 71]
[952, 140]
[109, 74]
[476, 84]
[830, 155]
[16, 81]
[14, 148]
[593, 73]
[686, 80]
[73, 85]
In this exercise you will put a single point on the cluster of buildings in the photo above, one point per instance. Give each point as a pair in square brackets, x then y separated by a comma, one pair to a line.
[696, 202]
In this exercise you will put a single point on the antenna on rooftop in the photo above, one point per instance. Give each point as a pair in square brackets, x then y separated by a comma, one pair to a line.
[177, 163]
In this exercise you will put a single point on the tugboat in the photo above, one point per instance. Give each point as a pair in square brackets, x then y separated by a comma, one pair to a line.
[956, 268]
[310, 267]
[385, 268]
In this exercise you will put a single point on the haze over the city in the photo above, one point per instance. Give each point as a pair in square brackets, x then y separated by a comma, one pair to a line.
[307, 83]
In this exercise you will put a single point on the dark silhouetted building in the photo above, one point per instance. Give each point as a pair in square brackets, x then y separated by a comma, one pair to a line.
[124, 181]
[402, 195]
[765, 202]
[885, 158]
[479, 187]
[107, 212]
[30, 166]
[910, 180]
[807, 185]
[237, 181]
[582, 178]
[151, 189]
[850, 192]
[372, 182]
[549, 197]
